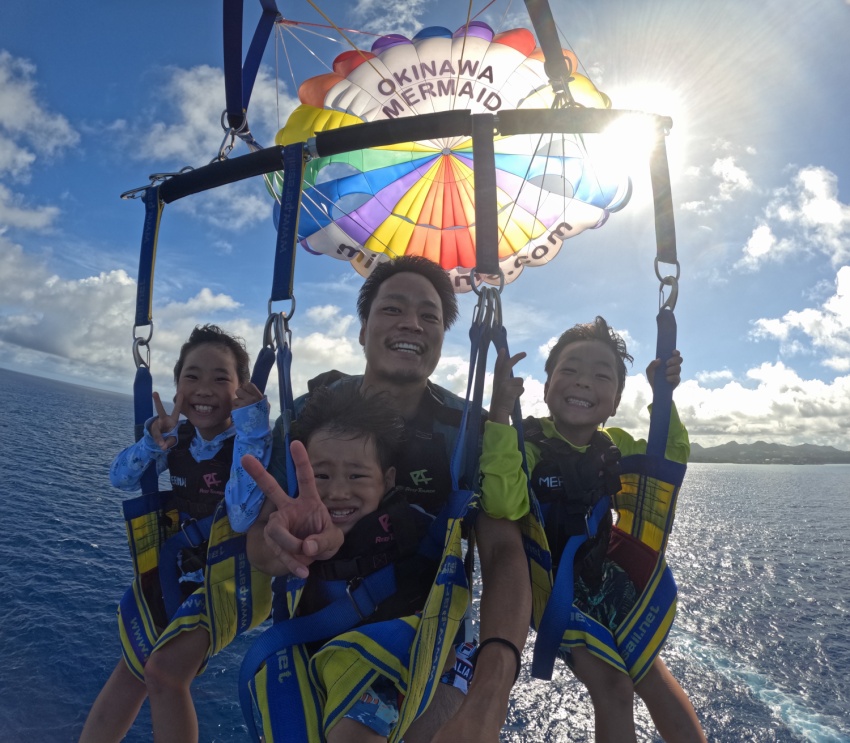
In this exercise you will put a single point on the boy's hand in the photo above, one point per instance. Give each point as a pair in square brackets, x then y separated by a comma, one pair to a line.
[165, 422]
[247, 394]
[300, 531]
[674, 369]
[506, 389]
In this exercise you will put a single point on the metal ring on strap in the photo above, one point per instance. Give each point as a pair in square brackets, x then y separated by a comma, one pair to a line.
[477, 287]
[286, 315]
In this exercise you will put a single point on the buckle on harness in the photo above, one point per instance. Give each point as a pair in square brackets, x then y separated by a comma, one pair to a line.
[587, 514]
[188, 524]
[353, 585]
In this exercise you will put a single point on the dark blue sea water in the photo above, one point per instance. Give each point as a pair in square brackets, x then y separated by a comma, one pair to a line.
[761, 641]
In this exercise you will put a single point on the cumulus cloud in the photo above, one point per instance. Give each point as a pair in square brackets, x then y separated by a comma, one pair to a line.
[404, 16]
[724, 181]
[775, 404]
[809, 216]
[824, 329]
[186, 131]
[772, 404]
[25, 120]
[28, 131]
[80, 328]
[14, 212]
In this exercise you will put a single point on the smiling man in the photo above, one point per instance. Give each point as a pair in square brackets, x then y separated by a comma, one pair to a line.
[405, 307]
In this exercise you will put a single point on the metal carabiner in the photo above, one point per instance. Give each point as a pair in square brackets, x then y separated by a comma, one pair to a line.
[138, 342]
[670, 302]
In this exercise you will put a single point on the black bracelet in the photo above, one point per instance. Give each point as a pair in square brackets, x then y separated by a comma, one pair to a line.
[506, 643]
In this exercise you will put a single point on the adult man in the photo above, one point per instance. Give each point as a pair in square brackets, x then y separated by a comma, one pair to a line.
[405, 307]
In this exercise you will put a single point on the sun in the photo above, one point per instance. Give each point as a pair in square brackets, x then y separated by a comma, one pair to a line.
[631, 138]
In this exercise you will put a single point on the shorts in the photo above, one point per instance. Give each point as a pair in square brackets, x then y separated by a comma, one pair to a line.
[377, 708]
[611, 603]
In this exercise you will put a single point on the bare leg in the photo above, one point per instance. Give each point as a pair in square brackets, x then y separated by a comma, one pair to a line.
[351, 731]
[168, 676]
[612, 694]
[671, 710]
[115, 708]
[446, 702]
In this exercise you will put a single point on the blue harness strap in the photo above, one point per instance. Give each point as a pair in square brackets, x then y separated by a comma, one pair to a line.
[238, 77]
[556, 618]
[360, 601]
[192, 534]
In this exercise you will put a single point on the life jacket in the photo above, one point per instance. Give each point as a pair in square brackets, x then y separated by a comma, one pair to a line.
[391, 535]
[430, 437]
[197, 487]
[196, 490]
[568, 483]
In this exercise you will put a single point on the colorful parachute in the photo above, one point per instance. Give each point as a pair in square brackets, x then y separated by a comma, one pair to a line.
[418, 198]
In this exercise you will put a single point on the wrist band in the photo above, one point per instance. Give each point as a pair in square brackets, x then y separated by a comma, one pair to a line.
[506, 643]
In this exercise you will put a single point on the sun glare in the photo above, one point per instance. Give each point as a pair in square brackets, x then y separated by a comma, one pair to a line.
[632, 137]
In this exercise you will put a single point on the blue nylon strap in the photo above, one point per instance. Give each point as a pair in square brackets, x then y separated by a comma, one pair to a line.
[143, 383]
[238, 78]
[192, 534]
[263, 368]
[142, 411]
[336, 618]
[147, 256]
[460, 443]
[287, 412]
[662, 391]
[473, 436]
[556, 617]
[287, 230]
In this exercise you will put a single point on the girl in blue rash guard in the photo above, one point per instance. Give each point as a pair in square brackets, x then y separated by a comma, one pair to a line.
[227, 417]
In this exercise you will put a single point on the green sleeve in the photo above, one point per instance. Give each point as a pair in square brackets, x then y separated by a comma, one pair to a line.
[504, 486]
[678, 444]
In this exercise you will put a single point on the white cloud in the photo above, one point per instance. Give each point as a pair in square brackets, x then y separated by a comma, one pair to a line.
[810, 213]
[192, 101]
[15, 213]
[824, 329]
[713, 377]
[391, 16]
[781, 407]
[733, 178]
[24, 119]
[80, 329]
[764, 245]
[189, 133]
[28, 130]
[725, 181]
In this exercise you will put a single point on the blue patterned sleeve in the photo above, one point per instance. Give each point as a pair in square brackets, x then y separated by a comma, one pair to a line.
[253, 436]
[127, 468]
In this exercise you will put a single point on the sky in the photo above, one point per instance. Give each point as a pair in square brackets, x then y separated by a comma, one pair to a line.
[96, 96]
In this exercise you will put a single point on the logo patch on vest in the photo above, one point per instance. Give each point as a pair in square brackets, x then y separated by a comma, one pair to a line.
[419, 477]
[211, 480]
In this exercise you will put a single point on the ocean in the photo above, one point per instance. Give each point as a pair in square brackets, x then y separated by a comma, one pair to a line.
[760, 553]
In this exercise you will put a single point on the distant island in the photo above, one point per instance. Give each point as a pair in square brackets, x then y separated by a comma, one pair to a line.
[763, 453]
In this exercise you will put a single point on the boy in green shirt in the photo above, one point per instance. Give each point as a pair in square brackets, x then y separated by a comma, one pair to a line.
[585, 376]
